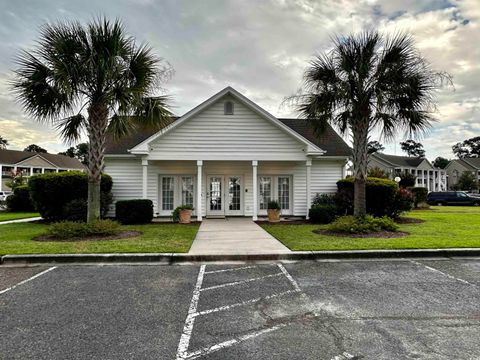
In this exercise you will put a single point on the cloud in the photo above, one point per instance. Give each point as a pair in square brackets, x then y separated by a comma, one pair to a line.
[262, 48]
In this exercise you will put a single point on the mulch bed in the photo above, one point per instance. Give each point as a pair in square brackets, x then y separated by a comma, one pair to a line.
[379, 234]
[284, 222]
[405, 220]
[119, 236]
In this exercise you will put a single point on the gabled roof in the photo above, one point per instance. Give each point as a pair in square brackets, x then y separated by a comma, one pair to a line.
[14, 157]
[400, 161]
[142, 148]
[472, 162]
[328, 144]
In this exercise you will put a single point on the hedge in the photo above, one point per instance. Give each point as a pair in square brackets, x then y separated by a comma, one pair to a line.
[322, 213]
[51, 192]
[20, 200]
[380, 196]
[136, 211]
[420, 194]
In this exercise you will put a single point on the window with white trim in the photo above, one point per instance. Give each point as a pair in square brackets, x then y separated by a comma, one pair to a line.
[175, 190]
[275, 187]
[187, 190]
[168, 192]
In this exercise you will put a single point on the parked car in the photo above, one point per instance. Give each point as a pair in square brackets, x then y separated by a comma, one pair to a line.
[4, 195]
[451, 198]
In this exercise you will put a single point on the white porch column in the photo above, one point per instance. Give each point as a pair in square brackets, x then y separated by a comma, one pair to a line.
[423, 178]
[428, 180]
[31, 171]
[1, 174]
[43, 170]
[144, 178]
[199, 190]
[309, 194]
[255, 191]
[440, 173]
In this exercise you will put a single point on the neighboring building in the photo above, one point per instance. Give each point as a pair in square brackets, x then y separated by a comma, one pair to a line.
[31, 163]
[432, 178]
[456, 168]
[227, 157]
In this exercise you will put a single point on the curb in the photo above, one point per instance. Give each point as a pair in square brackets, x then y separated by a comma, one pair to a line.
[175, 258]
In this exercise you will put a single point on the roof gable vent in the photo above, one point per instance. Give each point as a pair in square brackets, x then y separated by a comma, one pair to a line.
[228, 108]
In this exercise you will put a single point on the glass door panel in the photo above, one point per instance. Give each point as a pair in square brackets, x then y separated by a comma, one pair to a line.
[284, 192]
[234, 195]
[187, 190]
[215, 194]
[168, 192]
[265, 191]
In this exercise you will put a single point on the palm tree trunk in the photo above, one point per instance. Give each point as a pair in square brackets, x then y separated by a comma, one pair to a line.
[360, 162]
[97, 127]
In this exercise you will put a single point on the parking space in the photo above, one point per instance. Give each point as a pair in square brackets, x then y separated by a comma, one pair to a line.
[392, 309]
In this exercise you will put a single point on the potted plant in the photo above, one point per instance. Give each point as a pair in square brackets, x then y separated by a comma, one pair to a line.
[183, 214]
[273, 211]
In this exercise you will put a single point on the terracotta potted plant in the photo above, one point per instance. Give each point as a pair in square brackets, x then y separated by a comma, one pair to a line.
[183, 214]
[273, 211]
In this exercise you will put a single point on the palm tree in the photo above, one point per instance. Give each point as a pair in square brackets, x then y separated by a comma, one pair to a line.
[3, 143]
[91, 79]
[369, 81]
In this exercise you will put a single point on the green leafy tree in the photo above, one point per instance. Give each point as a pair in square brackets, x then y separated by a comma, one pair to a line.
[413, 148]
[35, 148]
[3, 143]
[92, 79]
[467, 182]
[440, 162]
[467, 148]
[80, 152]
[374, 147]
[369, 81]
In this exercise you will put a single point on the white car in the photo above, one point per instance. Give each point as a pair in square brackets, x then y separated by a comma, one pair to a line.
[4, 195]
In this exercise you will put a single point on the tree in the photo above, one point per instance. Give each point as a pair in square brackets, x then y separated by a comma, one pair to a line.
[369, 81]
[374, 147]
[92, 79]
[3, 143]
[35, 148]
[467, 148]
[440, 162]
[80, 152]
[413, 148]
[466, 181]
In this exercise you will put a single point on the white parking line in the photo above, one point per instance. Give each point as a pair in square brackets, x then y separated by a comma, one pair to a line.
[240, 282]
[228, 270]
[228, 343]
[289, 277]
[188, 327]
[441, 272]
[27, 280]
[243, 303]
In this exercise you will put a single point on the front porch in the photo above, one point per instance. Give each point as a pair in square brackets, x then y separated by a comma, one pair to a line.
[219, 189]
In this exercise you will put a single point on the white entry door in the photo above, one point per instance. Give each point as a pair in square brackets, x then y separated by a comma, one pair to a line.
[224, 195]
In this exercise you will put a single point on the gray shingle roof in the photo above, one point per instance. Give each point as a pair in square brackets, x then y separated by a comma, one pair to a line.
[329, 141]
[400, 161]
[473, 163]
[12, 157]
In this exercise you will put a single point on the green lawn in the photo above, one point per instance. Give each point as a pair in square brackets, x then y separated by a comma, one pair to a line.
[5, 215]
[17, 239]
[444, 227]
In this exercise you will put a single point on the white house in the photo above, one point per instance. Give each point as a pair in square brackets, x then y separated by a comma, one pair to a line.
[428, 176]
[227, 157]
[30, 163]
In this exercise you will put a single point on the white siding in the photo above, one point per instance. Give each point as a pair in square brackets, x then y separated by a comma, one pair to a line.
[127, 178]
[211, 135]
[325, 175]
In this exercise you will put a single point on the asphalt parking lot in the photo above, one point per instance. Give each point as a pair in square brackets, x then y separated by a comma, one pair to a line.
[378, 309]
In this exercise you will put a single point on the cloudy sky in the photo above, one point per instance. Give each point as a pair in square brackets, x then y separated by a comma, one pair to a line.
[261, 48]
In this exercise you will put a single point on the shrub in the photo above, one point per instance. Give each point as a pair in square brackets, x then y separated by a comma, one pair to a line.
[404, 200]
[73, 229]
[323, 199]
[376, 172]
[380, 194]
[322, 213]
[136, 211]
[407, 179]
[20, 200]
[365, 225]
[419, 195]
[75, 210]
[176, 212]
[51, 192]
[273, 205]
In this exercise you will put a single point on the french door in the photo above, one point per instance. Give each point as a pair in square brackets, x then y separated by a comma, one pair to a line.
[224, 195]
[277, 188]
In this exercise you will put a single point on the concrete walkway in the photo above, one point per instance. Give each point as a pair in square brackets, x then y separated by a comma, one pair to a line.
[234, 236]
